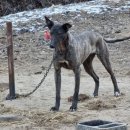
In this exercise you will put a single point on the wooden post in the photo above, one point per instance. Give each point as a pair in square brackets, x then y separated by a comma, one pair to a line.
[11, 94]
[129, 12]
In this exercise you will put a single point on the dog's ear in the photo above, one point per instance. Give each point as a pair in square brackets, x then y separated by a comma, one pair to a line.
[66, 26]
[49, 22]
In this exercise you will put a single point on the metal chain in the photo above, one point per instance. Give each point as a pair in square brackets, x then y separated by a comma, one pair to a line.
[42, 80]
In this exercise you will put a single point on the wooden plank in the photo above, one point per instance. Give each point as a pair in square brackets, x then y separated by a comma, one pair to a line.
[11, 94]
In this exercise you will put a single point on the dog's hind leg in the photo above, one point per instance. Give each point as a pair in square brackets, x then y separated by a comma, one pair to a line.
[103, 55]
[89, 69]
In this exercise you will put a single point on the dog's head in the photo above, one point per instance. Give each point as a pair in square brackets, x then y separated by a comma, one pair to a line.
[59, 35]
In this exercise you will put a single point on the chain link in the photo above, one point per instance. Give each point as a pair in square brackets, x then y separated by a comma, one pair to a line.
[42, 80]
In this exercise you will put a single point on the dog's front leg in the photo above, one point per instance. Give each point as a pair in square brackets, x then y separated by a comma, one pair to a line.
[58, 88]
[76, 91]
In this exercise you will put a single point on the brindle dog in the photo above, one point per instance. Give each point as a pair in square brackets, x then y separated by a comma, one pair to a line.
[72, 51]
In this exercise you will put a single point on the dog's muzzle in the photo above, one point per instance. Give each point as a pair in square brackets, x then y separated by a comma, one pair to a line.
[51, 46]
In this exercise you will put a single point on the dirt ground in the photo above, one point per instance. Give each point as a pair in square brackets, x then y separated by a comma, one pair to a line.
[32, 57]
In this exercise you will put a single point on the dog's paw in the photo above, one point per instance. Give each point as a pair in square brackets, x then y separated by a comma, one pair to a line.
[95, 95]
[73, 108]
[117, 94]
[54, 109]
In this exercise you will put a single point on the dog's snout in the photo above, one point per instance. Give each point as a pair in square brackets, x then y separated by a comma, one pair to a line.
[51, 46]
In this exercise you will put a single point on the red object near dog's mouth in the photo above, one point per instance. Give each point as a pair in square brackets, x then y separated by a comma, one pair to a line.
[47, 36]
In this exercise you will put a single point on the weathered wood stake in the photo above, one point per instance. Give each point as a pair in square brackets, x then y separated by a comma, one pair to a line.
[129, 12]
[11, 94]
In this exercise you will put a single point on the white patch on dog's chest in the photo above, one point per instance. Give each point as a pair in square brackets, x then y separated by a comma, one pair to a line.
[64, 61]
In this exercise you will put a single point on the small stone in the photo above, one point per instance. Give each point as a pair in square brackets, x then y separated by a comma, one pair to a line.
[118, 31]
[39, 72]
[10, 118]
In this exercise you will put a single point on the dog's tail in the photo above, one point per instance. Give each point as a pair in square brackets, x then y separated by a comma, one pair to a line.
[117, 40]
